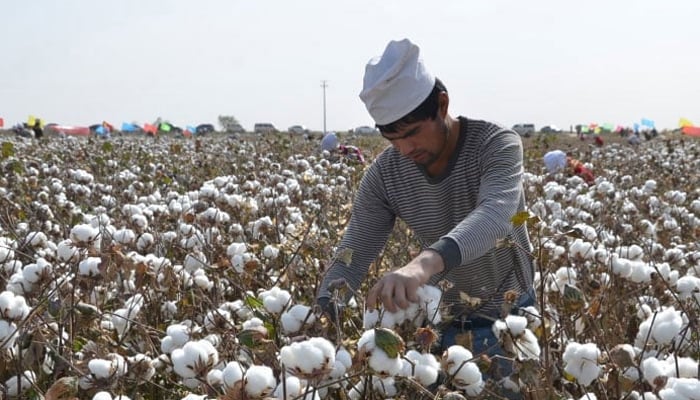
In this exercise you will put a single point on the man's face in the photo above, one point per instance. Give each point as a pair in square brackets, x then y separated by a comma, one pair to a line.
[423, 141]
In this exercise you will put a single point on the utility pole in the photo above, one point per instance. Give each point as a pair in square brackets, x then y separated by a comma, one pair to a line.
[324, 85]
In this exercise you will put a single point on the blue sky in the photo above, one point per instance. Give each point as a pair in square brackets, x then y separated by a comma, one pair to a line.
[542, 61]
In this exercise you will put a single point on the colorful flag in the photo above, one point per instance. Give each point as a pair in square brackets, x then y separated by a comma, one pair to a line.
[2, 122]
[684, 122]
[165, 127]
[647, 122]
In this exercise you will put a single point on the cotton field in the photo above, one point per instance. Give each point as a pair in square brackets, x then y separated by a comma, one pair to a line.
[141, 268]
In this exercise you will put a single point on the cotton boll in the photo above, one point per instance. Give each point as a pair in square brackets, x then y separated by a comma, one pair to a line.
[308, 358]
[621, 266]
[16, 385]
[194, 359]
[370, 319]
[124, 236]
[65, 251]
[652, 368]
[293, 318]
[666, 326]
[686, 366]
[516, 324]
[144, 241]
[8, 334]
[641, 272]
[102, 396]
[232, 373]
[236, 248]
[275, 299]
[194, 261]
[681, 389]
[270, 252]
[13, 307]
[259, 381]
[201, 280]
[82, 234]
[101, 368]
[688, 287]
[291, 386]
[89, 266]
[581, 362]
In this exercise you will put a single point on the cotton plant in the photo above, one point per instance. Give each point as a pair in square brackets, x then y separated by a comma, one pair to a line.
[426, 309]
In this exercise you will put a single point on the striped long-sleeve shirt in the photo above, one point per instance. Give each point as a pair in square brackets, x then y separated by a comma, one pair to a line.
[461, 214]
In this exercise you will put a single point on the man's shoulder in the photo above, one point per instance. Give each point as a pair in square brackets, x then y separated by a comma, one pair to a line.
[484, 127]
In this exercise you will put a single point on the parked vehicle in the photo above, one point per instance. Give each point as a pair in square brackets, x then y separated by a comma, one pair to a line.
[264, 127]
[298, 129]
[524, 129]
[550, 129]
[203, 129]
[365, 130]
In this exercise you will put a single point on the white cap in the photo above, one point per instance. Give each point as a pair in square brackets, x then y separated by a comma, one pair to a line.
[396, 82]
[329, 142]
[554, 161]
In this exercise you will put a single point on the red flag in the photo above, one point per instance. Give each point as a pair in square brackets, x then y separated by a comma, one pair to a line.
[2, 122]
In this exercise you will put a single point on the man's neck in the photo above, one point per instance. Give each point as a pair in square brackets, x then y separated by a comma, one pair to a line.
[438, 167]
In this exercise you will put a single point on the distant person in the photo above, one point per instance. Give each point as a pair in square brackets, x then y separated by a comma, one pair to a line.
[634, 140]
[38, 131]
[331, 144]
[558, 161]
[599, 141]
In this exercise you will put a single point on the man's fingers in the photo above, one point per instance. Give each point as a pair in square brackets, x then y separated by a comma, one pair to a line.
[371, 301]
[387, 295]
[400, 297]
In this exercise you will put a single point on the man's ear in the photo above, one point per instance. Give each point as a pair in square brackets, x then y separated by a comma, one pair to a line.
[443, 103]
